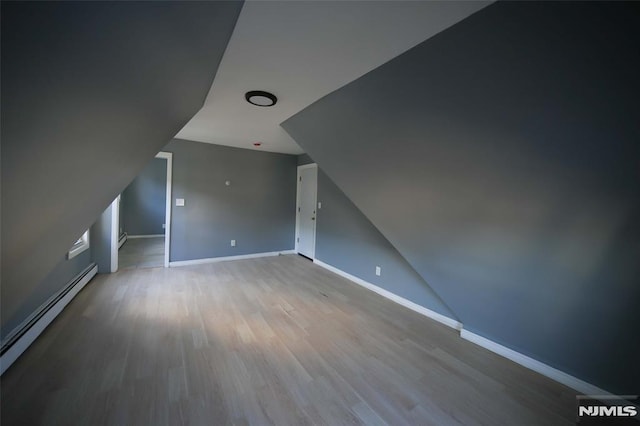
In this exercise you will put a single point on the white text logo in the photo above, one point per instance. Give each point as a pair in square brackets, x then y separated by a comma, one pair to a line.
[601, 411]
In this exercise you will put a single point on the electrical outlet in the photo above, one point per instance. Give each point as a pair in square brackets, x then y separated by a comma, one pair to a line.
[319, 205]
[378, 270]
[233, 243]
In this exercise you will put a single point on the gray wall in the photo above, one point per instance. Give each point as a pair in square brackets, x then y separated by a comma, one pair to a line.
[304, 159]
[143, 203]
[347, 240]
[63, 273]
[257, 209]
[91, 91]
[500, 158]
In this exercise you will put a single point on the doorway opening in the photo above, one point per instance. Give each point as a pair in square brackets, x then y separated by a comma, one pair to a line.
[143, 228]
[307, 188]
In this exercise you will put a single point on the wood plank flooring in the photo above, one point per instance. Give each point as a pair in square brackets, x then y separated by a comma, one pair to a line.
[257, 342]
[141, 253]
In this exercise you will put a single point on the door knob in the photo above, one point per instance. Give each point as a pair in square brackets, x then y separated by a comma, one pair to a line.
[313, 218]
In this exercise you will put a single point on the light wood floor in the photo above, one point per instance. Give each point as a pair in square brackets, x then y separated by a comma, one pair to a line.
[266, 341]
[141, 253]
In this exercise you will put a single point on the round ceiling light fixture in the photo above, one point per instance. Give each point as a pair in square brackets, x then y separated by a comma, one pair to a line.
[261, 98]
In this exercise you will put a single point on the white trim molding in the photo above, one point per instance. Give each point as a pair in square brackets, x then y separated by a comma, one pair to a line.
[167, 216]
[115, 233]
[135, 237]
[535, 365]
[34, 329]
[443, 319]
[308, 166]
[226, 258]
[80, 247]
[528, 362]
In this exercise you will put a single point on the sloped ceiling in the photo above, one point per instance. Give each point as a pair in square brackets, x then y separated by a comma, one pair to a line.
[500, 158]
[303, 50]
[90, 92]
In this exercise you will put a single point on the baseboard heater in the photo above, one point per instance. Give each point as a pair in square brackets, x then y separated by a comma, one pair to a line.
[26, 333]
[122, 240]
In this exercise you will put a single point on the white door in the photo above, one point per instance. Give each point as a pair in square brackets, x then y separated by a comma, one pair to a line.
[306, 214]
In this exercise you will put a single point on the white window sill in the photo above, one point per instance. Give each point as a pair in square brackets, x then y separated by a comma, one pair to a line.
[77, 250]
[81, 245]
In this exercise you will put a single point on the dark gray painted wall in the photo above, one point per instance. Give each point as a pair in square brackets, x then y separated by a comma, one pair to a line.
[304, 159]
[501, 159]
[257, 209]
[91, 91]
[143, 203]
[62, 274]
[347, 240]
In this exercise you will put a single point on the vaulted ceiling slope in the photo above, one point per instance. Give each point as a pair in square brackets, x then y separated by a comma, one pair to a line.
[301, 51]
[501, 159]
[90, 92]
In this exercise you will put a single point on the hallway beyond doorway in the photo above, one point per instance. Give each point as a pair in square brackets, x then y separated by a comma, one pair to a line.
[142, 253]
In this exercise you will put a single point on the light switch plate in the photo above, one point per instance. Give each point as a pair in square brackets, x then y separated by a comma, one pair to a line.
[179, 202]
[378, 270]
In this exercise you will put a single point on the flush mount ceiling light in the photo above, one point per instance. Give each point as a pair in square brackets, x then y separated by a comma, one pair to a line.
[260, 98]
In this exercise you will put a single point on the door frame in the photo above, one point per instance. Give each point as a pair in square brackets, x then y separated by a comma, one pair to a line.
[167, 216]
[315, 203]
[115, 218]
[115, 233]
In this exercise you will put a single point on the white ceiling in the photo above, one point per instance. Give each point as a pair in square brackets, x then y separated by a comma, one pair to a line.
[301, 51]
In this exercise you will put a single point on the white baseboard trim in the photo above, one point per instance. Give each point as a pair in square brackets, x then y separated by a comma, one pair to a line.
[528, 362]
[394, 297]
[226, 258]
[22, 343]
[133, 237]
[535, 365]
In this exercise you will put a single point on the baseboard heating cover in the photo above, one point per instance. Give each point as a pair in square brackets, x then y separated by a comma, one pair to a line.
[122, 239]
[26, 333]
